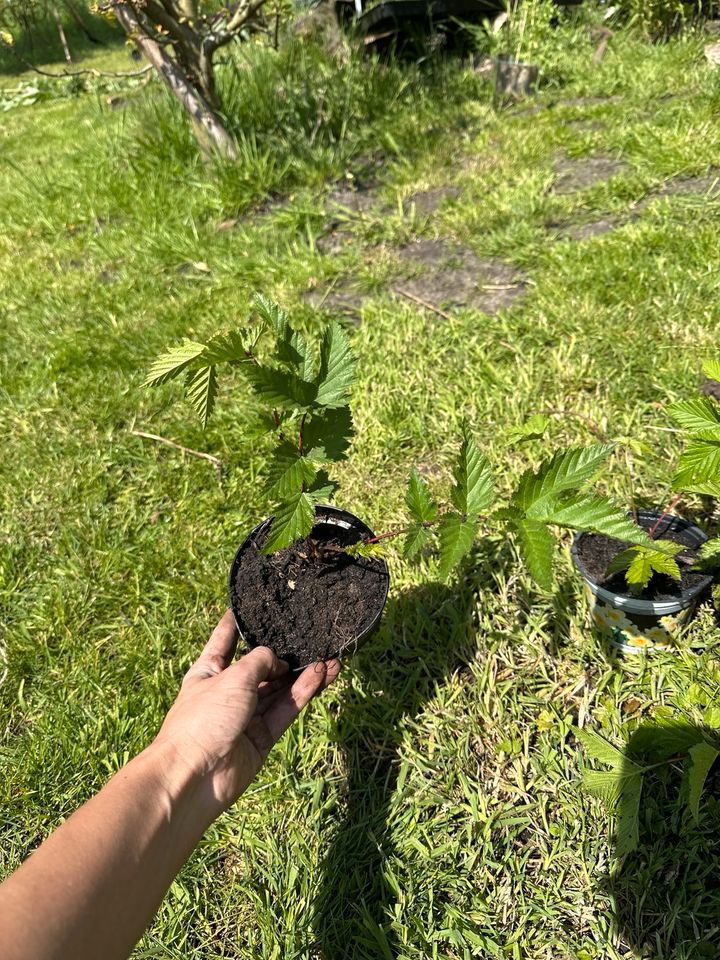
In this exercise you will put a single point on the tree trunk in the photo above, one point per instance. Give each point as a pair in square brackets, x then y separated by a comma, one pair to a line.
[63, 38]
[207, 126]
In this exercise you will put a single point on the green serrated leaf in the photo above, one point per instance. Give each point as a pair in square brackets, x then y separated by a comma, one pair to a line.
[415, 539]
[372, 551]
[589, 512]
[711, 368]
[279, 388]
[699, 416]
[536, 548]
[473, 492]
[710, 550]
[337, 369]
[456, 538]
[171, 364]
[271, 312]
[604, 784]
[201, 386]
[598, 748]
[419, 500]
[227, 348]
[702, 756]
[533, 429]
[288, 472]
[327, 434]
[294, 351]
[566, 470]
[639, 563]
[698, 469]
[628, 816]
[662, 738]
[293, 520]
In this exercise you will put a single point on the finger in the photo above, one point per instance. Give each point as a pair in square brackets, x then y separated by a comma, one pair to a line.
[268, 687]
[277, 688]
[218, 651]
[254, 668]
[290, 702]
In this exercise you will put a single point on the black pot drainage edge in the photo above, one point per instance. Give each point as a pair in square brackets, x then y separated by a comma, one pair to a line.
[307, 608]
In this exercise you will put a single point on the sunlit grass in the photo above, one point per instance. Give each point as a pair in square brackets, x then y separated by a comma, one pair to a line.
[429, 805]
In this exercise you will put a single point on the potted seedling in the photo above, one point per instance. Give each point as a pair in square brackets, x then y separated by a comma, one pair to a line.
[310, 579]
[640, 595]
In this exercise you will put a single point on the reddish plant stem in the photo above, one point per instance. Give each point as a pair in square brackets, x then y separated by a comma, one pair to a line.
[300, 438]
[670, 507]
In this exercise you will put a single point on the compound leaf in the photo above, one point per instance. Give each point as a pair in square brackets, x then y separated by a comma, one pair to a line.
[566, 470]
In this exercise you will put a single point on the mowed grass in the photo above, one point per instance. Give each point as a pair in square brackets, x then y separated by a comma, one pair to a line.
[429, 805]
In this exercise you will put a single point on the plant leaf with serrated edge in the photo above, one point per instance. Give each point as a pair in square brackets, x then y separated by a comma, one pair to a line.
[292, 521]
[294, 351]
[661, 738]
[628, 815]
[415, 539]
[327, 434]
[639, 564]
[288, 472]
[598, 748]
[337, 369]
[702, 756]
[201, 386]
[473, 491]
[566, 470]
[279, 388]
[698, 469]
[271, 312]
[536, 548]
[456, 538]
[589, 512]
[533, 429]
[711, 368]
[710, 550]
[605, 784]
[227, 348]
[699, 416]
[171, 364]
[418, 498]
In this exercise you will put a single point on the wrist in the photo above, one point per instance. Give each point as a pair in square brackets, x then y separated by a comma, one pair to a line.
[187, 791]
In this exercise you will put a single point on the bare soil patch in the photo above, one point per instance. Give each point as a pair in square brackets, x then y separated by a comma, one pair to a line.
[427, 202]
[573, 175]
[443, 273]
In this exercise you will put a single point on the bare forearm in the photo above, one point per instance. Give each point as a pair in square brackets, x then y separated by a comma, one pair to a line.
[101, 876]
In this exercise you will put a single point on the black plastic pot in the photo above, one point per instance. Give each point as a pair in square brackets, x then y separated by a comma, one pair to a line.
[632, 624]
[514, 80]
[329, 521]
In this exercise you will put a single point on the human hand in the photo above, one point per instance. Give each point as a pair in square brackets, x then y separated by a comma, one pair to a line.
[228, 715]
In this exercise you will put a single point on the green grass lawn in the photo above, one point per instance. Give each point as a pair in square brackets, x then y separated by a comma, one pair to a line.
[429, 805]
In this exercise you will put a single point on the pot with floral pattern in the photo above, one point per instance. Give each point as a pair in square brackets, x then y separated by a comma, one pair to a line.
[633, 624]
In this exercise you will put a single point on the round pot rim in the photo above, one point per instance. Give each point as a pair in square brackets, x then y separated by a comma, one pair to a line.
[633, 605]
[334, 515]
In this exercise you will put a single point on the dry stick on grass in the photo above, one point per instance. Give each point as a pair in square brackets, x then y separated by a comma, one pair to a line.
[423, 303]
[217, 464]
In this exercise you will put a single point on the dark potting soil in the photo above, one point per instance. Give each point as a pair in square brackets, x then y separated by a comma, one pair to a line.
[596, 551]
[303, 607]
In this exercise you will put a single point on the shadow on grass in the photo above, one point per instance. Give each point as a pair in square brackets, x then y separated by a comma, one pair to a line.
[666, 891]
[427, 635]
[42, 45]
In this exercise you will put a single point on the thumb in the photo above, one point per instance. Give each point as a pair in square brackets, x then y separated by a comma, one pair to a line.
[255, 667]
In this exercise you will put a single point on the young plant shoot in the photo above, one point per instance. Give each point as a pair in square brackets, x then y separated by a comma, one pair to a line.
[307, 396]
